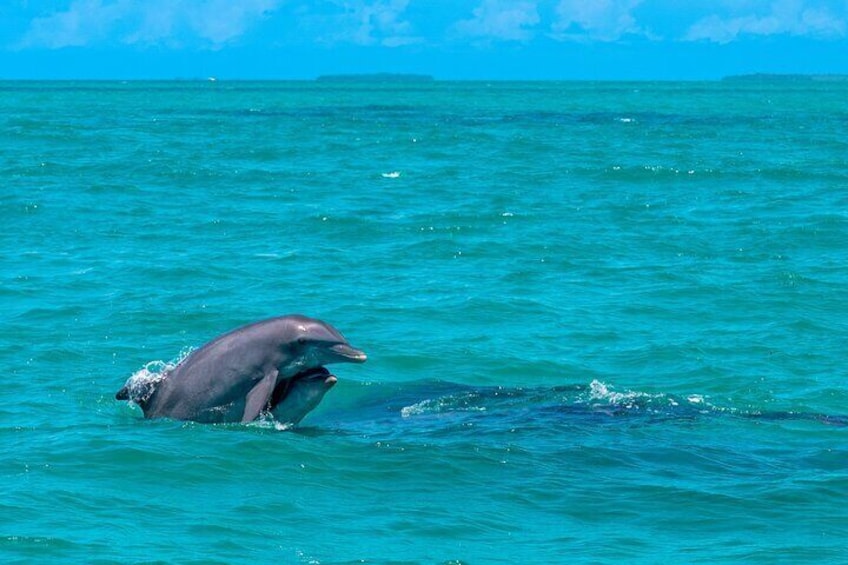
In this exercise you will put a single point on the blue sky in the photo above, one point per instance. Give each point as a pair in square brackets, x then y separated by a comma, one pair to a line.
[449, 39]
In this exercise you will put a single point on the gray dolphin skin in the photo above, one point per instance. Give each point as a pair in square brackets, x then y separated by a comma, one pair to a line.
[270, 367]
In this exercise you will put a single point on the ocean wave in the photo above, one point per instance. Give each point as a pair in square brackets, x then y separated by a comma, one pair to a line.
[433, 407]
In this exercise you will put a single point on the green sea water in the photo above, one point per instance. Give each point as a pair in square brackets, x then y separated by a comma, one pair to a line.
[606, 322]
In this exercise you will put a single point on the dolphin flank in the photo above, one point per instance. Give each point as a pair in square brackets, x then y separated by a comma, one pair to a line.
[274, 366]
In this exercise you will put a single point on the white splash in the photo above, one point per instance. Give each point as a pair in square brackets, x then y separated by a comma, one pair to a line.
[418, 408]
[267, 422]
[602, 391]
[391, 175]
[141, 384]
[283, 427]
[451, 403]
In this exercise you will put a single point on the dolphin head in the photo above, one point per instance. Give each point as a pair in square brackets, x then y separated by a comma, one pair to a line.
[311, 343]
[301, 396]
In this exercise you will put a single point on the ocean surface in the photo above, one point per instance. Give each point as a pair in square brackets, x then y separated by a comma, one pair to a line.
[606, 322]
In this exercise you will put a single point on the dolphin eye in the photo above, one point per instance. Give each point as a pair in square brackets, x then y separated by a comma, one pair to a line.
[301, 340]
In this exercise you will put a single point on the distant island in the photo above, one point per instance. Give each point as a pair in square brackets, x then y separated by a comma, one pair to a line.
[376, 77]
[768, 77]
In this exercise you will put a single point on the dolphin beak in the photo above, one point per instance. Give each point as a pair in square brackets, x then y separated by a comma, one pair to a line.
[347, 353]
[319, 373]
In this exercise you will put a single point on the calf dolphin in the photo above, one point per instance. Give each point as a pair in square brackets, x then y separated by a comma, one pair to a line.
[275, 363]
[302, 395]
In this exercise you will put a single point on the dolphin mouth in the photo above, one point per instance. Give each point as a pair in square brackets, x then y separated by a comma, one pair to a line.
[348, 353]
[313, 374]
[318, 374]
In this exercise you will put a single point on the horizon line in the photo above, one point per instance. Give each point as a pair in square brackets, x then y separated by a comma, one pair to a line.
[414, 78]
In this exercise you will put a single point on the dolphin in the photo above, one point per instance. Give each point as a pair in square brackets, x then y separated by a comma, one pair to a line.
[248, 372]
[303, 394]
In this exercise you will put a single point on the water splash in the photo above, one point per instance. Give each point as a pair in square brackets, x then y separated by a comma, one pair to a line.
[141, 384]
[603, 393]
[600, 391]
[464, 402]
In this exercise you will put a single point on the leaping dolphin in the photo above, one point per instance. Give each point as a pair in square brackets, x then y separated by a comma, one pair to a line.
[270, 367]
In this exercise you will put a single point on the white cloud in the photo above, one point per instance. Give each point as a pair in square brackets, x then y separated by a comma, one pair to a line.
[502, 20]
[85, 21]
[599, 20]
[362, 22]
[788, 17]
[221, 21]
[159, 25]
[212, 23]
[215, 24]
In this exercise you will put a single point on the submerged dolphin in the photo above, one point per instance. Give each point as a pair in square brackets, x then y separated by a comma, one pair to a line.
[273, 366]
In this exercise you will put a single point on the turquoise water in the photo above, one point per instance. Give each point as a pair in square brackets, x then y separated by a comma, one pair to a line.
[605, 322]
